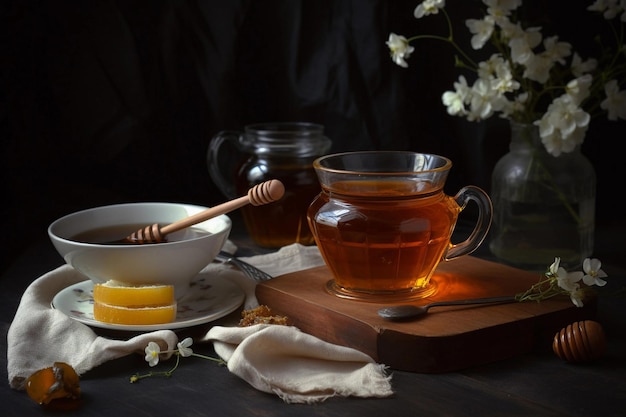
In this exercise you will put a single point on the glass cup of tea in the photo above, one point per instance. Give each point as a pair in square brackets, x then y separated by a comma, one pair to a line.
[383, 223]
[238, 160]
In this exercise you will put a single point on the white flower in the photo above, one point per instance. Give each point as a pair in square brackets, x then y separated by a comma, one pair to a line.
[579, 88]
[523, 43]
[568, 281]
[577, 295]
[565, 280]
[481, 29]
[183, 347]
[538, 68]
[531, 79]
[498, 71]
[400, 49]
[557, 51]
[481, 100]
[554, 268]
[593, 272]
[563, 126]
[611, 8]
[454, 100]
[428, 7]
[580, 67]
[615, 102]
[565, 115]
[516, 106]
[510, 30]
[558, 281]
[501, 8]
[152, 353]
[504, 82]
[183, 350]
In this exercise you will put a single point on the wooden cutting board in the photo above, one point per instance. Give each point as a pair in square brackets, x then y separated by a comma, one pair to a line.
[447, 338]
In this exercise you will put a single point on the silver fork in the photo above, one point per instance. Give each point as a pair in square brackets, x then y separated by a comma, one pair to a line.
[251, 271]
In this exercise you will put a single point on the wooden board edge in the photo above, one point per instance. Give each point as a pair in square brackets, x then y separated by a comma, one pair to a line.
[491, 344]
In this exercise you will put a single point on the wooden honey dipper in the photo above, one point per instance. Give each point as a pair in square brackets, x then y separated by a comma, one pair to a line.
[581, 341]
[263, 193]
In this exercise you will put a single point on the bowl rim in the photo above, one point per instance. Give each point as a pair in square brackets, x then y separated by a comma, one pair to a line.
[222, 219]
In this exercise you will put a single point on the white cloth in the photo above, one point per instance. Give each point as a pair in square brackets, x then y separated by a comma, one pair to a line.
[40, 335]
[290, 258]
[279, 359]
[296, 366]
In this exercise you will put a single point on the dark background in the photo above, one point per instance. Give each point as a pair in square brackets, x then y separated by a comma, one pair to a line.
[113, 101]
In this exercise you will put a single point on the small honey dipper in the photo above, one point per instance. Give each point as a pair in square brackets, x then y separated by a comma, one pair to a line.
[263, 193]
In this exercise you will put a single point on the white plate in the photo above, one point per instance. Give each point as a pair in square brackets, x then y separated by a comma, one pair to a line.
[209, 299]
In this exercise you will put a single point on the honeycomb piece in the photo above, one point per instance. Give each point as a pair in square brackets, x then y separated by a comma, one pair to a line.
[260, 315]
[59, 381]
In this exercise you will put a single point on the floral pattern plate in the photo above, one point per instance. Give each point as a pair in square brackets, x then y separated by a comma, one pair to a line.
[209, 298]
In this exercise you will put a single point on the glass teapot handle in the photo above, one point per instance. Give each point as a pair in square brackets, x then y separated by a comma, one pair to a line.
[483, 222]
[221, 170]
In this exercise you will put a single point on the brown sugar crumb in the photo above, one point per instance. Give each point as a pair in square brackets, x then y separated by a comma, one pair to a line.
[260, 315]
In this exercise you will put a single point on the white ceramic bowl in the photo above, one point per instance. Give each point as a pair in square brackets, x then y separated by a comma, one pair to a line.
[172, 262]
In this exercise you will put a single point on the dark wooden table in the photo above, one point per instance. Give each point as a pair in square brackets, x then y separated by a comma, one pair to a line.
[536, 383]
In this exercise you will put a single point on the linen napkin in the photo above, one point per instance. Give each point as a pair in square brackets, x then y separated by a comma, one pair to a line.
[40, 335]
[296, 366]
[279, 359]
[290, 258]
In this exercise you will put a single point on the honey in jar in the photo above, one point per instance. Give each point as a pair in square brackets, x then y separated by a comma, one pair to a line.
[283, 151]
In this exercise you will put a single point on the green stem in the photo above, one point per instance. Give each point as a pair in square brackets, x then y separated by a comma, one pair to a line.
[472, 65]
[542, 290]
[220, 361]
[546, 175]
[560, 194]
[137, 377]
[450, 40]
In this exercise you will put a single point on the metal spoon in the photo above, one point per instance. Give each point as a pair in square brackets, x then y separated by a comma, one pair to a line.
[406, 311]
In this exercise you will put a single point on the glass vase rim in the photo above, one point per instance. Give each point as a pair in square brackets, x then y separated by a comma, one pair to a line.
[536, 142]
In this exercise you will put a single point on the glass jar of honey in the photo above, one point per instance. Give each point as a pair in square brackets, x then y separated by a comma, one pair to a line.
[285, 151]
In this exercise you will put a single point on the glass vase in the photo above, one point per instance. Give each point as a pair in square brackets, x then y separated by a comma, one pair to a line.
[543, 206]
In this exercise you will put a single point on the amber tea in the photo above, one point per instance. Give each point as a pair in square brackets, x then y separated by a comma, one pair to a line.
[116, 234]
[360, 238]
[383, 223]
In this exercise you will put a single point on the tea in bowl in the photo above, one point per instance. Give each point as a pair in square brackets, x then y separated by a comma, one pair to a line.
[383, 222]
[91, 241]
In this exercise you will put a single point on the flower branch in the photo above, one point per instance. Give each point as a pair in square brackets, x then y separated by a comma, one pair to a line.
[557, 281]
[531, 79]
[153, 353]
